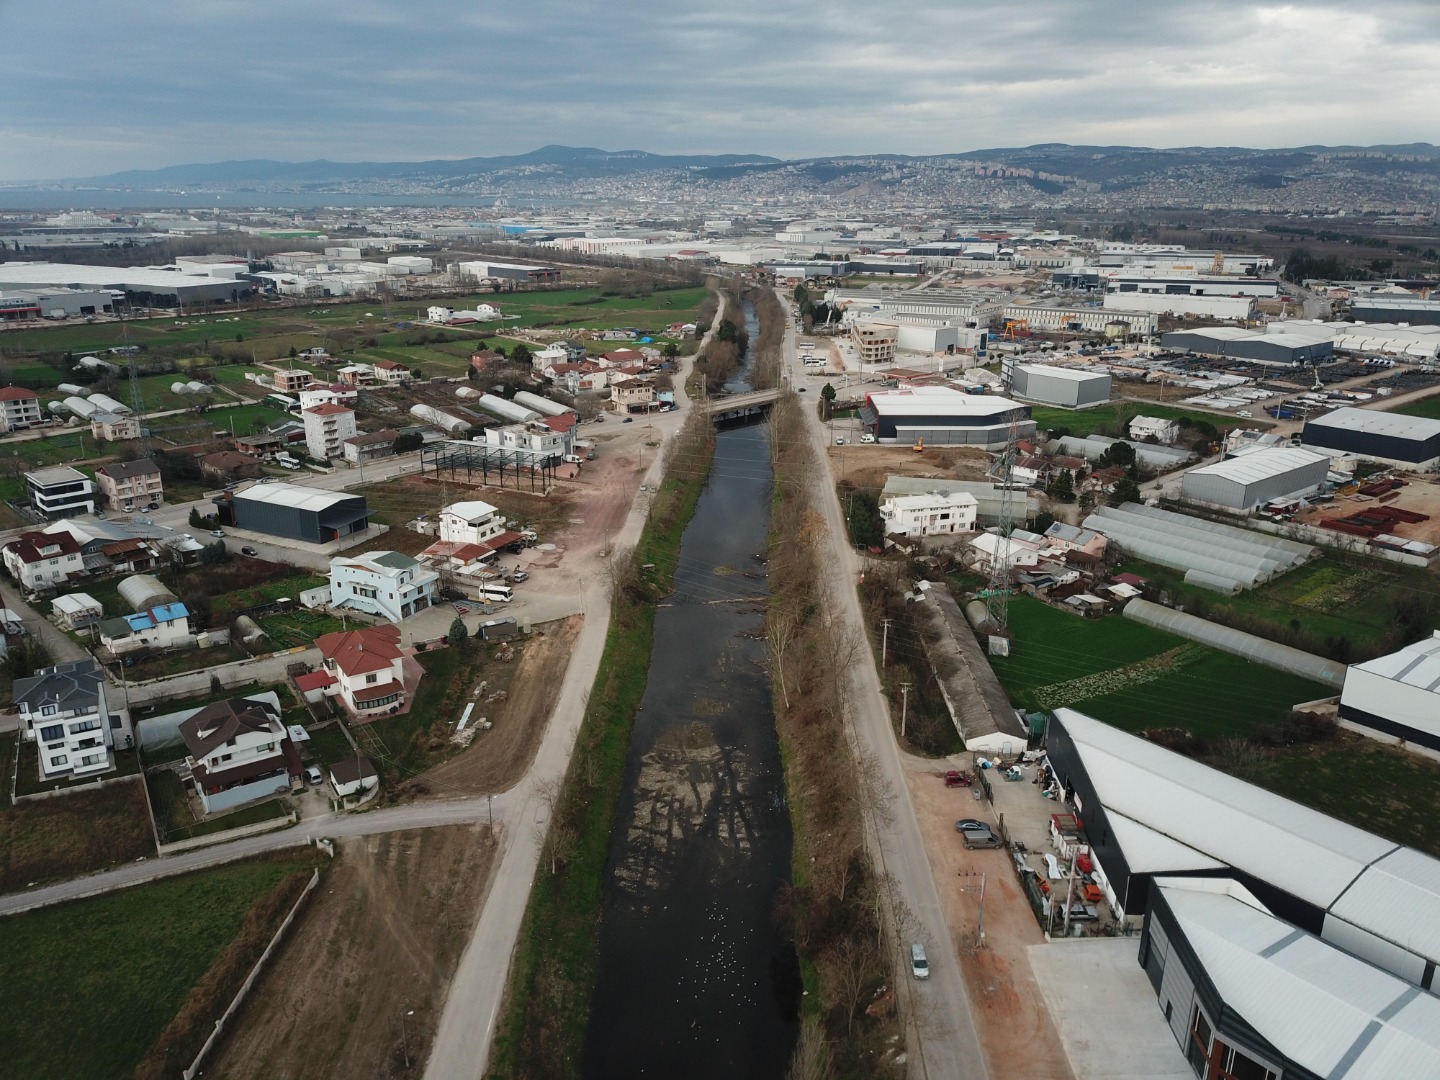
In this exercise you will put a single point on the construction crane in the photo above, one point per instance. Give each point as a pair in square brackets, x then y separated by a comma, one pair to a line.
[1014, 329]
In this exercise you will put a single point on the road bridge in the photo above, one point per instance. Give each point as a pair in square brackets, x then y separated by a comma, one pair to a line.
[739, 406]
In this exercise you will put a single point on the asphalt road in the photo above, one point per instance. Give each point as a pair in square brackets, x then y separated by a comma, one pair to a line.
[941, 1038]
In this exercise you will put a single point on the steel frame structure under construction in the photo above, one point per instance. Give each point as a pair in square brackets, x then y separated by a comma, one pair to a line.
[455, 458]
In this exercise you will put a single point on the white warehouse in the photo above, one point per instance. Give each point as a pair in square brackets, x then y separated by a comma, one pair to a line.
[1397, 697]
[1246, 482]
[1070, 388]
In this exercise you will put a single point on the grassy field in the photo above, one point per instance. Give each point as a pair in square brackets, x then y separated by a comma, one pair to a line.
[1321, 602]
[327, 744]
[298, 628]
[394, 502]
[1427, 407]
[1111, 419]
[53, 839]
[114, 971]
[1136, 677]
[175, 818]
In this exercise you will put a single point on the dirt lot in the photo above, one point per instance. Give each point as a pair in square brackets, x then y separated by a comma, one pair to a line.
[1015, 1027]
[378, 941]
[1422, 497]
[867, 466]
[499, 757]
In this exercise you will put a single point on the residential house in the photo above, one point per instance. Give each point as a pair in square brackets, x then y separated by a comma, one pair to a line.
[60, 491]
[229, 465]
[544, 359]
[326, 394]
[536, 436]
[326, 429]
[484, 359]
[362, 448]
[65, 712]
[471, 523]
[384, 583]
[292, 380]
[1020, 549]
[356, 375]
[127, 484]
[621, 357]
[633, 395]
[19, 408]
[353, 776]
[164, 626]
[1144, 428]
[112, 427]
[41, 561]
[1069, 538]
[76, 611]
[918, 516]
[391, 373]
[368, 671]
[238, 750]
[576, 378]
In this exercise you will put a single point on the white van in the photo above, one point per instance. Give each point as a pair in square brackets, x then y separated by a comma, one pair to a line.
[497, 594]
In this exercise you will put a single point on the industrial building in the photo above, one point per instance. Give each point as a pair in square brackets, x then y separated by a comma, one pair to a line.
[21, 304]
[1409, 442]
[141, 285]
[1158, 284]
[1070, 388]
[1093, 320]
[1383, 307]
[1280, 347]
[294, 512]
[503, 271]
[1397, 697]
[941, 416]
[1150, 814]
[1211, 555]
[1252, 480]
[1214, 307]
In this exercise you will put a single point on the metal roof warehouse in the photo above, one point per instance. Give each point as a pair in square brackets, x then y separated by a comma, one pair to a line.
[295, 512]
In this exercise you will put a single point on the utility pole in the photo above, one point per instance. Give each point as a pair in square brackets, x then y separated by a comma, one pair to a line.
[904, 706]
[980, 927]
[884, 640]
[1069, 895]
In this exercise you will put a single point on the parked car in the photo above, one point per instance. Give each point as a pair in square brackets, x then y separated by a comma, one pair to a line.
[314, 775]
[972, 825]
[974, 838]
[839, 440]
[867, 438]
[628, 420]
[248, 550]
[519, 576]
[919, 963]
[217, 532]
[800, 390]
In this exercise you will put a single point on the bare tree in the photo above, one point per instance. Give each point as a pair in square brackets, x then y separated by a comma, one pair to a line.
[811, 1059]
[555, 837]
[847, 968]
[781, 627]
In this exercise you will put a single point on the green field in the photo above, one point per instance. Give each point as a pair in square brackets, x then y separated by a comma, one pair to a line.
[87, 988]
[1427, 407]
[1111, 419]
[1136, 677]
[1325, 607]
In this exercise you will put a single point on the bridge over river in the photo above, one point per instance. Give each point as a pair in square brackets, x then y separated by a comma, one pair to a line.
[739, 406]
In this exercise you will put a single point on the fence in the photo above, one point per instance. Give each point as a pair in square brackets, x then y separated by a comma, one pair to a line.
[194, 1069]
[253, 829]
[71, 789]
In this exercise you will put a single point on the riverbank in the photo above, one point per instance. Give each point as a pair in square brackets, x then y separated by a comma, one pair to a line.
[542, 1025]
[845, 923]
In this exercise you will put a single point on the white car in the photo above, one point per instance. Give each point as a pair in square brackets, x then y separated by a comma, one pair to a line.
[867, 438]
[839, 440]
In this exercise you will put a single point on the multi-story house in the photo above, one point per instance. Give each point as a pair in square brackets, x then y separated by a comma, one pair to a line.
[60, 491]
[633, 395]
[19, 408]
[64, 711]
[239, 750]
[371, 447]
[389, 373]
[918, 516]
[164, 626]
[367, 671]
[470, 523]
[384, 583]
[356, 375]
[292, 380]
[326, 429]
[112, 427]
[337, 394]
[128, 484]
[41, 561]
[535, 436]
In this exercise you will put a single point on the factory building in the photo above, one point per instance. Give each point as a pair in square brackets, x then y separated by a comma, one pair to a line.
[1183, 285]
[1070, 388]
[294, 512]
[1382, 307]
[938, 415]
[18, 304]
[503, 271]
[1088, 319]
[141, 285]
[1409, 442]
[1252, 480]
[1214, 307]
[1280, 348]
[1397, 697]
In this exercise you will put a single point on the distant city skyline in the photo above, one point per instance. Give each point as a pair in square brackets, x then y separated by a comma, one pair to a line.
[95, 89]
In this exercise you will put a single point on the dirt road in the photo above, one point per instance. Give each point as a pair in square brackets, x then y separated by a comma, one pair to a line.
[378, 942]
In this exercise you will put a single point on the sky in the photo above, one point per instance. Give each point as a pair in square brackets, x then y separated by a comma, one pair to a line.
[91, 88]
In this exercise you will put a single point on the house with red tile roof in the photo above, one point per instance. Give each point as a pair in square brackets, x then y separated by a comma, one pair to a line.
[373, 674]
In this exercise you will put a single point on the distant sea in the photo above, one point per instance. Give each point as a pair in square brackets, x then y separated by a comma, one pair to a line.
[19, 198]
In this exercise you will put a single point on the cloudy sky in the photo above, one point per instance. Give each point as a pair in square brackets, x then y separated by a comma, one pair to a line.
[90, 88]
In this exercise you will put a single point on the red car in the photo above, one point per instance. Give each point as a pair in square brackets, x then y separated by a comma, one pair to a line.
[953, 778]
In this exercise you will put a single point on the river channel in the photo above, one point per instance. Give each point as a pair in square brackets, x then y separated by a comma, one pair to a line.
[695, 980]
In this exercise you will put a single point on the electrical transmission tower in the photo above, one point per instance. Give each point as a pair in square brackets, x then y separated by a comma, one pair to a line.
[997, 590]
[137, 403]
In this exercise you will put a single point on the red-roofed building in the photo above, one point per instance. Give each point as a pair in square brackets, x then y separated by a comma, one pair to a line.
[389, 373]
[19, 408]
[41, 561]
[374, 675]
[616, 357]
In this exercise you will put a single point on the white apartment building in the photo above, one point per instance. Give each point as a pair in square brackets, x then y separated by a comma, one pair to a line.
[40, 561]
[535, 436]
[326, 429]
[470, 522]
[238, 750]
[19, 408]
[384, 583]
[65, 712]
[1154, 427]
[328, 395]
[60, 491]
[931, 514]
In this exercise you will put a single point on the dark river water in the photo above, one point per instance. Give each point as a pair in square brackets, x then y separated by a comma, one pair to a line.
[694, 978]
